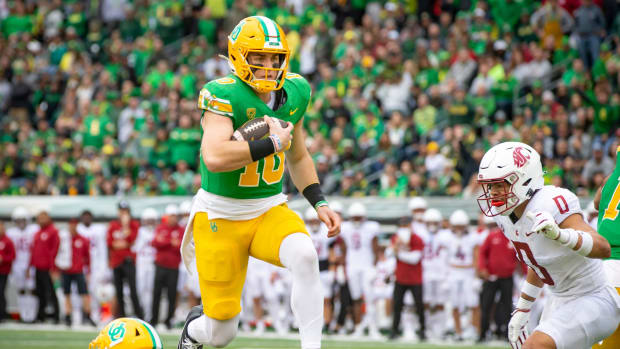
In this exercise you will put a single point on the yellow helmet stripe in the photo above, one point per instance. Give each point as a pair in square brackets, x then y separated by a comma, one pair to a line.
[154, 336]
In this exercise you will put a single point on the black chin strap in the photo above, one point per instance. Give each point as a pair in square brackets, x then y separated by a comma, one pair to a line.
[280, 96]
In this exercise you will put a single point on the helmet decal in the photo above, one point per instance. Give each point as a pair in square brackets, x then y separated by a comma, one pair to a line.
[520, 158]
[117, 333]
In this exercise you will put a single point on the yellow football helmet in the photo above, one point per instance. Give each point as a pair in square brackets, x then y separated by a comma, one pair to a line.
[257, 34]
[127, 333]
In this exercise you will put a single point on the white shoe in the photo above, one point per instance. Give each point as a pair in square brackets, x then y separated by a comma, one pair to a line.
[374, 334]
[359, 331]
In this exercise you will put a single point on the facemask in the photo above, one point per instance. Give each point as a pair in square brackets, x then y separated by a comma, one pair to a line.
[432, 228]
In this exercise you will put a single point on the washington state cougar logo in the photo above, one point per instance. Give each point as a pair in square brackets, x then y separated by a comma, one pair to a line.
[520, 158]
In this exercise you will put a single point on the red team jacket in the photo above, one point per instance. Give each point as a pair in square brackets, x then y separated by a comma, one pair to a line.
[80, 255]
[7, 254]
[168, 253]
[114, 233]
[44, 248]
[496, 255]
[410, 274]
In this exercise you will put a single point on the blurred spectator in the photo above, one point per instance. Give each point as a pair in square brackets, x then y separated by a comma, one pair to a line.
[599, 163]
[44, 249]
[167, 243]
[80, 261]
[7, 256]
[85, 89]
[590, 26]
[122, 234]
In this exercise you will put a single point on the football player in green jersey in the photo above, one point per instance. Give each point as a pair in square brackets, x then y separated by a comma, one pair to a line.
[607, 202]
[240, 210]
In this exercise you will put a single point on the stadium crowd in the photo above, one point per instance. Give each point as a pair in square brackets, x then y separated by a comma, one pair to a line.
[446, 278]
[99, 97]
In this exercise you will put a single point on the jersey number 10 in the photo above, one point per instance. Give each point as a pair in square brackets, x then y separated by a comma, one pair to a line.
[271, 174]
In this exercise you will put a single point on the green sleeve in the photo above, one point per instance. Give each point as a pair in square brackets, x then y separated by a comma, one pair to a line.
[216, 97]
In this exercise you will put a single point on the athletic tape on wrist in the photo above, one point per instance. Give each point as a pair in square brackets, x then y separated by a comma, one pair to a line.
[530, 290]
[586, 244]
[523, 304]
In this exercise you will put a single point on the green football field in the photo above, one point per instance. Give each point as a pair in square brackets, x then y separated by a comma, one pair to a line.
[35, 339]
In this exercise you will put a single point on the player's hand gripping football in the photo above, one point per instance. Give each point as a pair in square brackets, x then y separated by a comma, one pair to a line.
[517, 328]
[545, 224]
[283, 134]
[331, 219]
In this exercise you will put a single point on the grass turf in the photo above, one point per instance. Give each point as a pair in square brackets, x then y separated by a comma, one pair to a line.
[38, 339]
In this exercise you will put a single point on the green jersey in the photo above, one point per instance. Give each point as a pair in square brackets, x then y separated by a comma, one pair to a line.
[608, 211]
[231, 97]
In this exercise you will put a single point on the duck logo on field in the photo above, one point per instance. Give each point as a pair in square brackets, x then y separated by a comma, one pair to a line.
[117, 333]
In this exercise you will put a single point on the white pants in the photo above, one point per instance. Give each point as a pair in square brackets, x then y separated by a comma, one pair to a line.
[435, 292]
[462, 294]
[145, 278]
[358, 283]
[580, 322]
[327, 281]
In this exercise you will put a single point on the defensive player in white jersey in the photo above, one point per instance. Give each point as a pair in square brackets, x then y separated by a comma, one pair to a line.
[21, 233]
[318, 233]
[417, 206]
[435, 269]
[461, 265]
[549, 233]
[360, 238]
[145, 258]
[100, 272]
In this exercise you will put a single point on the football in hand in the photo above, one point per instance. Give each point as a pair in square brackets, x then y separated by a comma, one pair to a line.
[254, 129]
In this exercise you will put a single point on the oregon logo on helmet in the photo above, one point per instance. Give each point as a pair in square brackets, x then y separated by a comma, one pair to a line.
[117, 332]
[235, 33]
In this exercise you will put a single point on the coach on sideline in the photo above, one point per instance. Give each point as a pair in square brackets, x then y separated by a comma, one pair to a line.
[122, 234]
[167, 242]
[408, 248]
[496, 264]
[42, 258]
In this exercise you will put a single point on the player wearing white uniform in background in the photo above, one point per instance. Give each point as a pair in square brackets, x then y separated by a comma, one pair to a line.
[100, 273]
[461, 269]
[547, 229]
[21, 233]
[145, 258]
[253, 292]
[318, 233]
[417, 207]
[360, 238]
[381, 280]
[435, 269]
